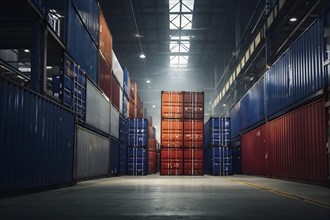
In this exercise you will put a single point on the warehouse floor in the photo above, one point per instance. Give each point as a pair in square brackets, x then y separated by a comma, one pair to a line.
[171, 197]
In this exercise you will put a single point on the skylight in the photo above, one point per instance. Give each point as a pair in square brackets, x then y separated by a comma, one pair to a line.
[181, 15]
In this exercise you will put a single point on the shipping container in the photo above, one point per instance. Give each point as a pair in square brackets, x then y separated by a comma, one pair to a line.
[217, 132]
[105, 39]
[123, 160]
[114, 158]
[89, 13]
[236, 160]
[152, 160]
[37, 134]
[297, 144]
[132, 95]
[152, 144]
[193, 133]
[255, 152]
[193, 105]
[115, 92]
[97, 108]
[125, 106]
[298, 73]
[117, 70]
[172, 133]
[150, 120]
[126, 82]
[218, 161]
[123, 130]
[252, 106]
[171, 161]
[235, 120]
[130, 109]
[121, 100]
[151, 131]
[92, 156]
[105, 76]
[114, 123]
[80, 87]
[172, 105]
[80, 45]
[193, 161]
[137, 161]
[138, 132]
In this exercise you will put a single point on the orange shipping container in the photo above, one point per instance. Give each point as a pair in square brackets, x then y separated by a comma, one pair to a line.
[193, 133]
[172, 104]
[171, 133]
[105, 39]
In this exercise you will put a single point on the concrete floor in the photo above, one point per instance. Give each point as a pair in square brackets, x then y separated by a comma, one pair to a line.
[170, 197]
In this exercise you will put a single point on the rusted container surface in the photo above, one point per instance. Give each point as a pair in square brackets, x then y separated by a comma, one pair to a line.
[254, 151]
[171, 161]
[193, 106]
[115, 91]
[193, 133]
[171, 133]
[193, 161]
[297, 143]
[105, 38]
[104, 77]
[172, 104]
[152, 161]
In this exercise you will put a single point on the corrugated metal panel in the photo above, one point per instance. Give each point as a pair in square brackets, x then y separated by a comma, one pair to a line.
[114, 122]
[172, 133]
[115, 91]
[97, 109]
[297, 144]
[120, 100]
[123, 160]
[193, 133]
[252, 106]
[80, 46]
[138, 132]
[299, 73]
[171, 161]
[254, 151]
[137, 161]
[193, 161]
[218, 161]
[217, 132]
[152, 161]
[36, 142]
[117, 70]
[172, 104]
[104, 76]
[92, 154]
[105, 40]
[193, 105]
[89, 12]
[114, 158]
[123, 130]
[235, 117]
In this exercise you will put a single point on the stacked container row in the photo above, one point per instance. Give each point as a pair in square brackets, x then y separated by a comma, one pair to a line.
[152, 148]
[182, 133]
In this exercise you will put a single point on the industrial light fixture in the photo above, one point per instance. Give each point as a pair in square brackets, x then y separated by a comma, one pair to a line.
[154, 106]
[224, 105]
[49, 67]
[26, 51]
[142, 56]
[148, 81]
[138, 35]
[293, 19]
[251, 78]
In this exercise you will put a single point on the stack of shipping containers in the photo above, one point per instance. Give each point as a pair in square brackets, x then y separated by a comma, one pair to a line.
[152, 148]
[282, 119]
[182, 121]
[218, 151]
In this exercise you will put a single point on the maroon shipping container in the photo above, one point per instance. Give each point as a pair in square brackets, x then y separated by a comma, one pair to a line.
[152, 144]
[254, 152]
[152, 161]
[193, 161]
[151, 131]
[171, 161]
[132, 91]
[193, 133]
[104, 76]
[115, 91]
[297, 144]
[193, 105]
[105, 38]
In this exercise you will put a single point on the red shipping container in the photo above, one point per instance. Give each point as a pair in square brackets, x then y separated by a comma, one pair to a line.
[130, 109]
[150, 120]
[193, 133]
[193, 106]
[172, 104]
[171, 133]
[105, 39]
[151, 131]
[152, 144]
[254, 152]
[115, 91]
[297, 144]
[171, 161]
[104, 76]
[152, 161]
[193, 161]
[132, 92]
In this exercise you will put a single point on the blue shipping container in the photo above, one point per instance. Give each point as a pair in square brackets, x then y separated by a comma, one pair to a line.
[123, 130]
[36, 142]
[88, 11]
[80, 45]
[217, 132]
[235, 117]
[137, 161]
[123, 160]
[114, 158]
[126, 81]
[218, 161]
[252, 106]
[124, 109]
[298, 73]
[138, 132]
[236, 160]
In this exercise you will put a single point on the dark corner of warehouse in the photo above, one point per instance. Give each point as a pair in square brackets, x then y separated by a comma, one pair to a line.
[164, 109]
